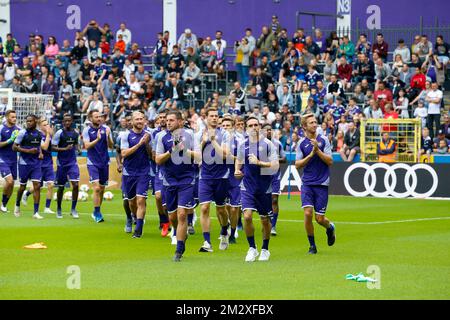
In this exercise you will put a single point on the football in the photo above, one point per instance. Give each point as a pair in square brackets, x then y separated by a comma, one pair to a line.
[83, 196]
[67, 196]
[84, 188]
[108, 195]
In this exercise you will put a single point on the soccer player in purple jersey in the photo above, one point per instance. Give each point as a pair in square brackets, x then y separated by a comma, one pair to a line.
[257, 162]
[175, 153]
[136, 152]
[234, 190]
[314, 155]
[119, 160]
[8, 157]
[160, 200]
[276, 180]
[97, 140]
[28, 144]
[65, 143]
[213, 182]
[48, 174]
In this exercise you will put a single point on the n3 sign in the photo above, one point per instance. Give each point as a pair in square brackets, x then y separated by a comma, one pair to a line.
[344, 7]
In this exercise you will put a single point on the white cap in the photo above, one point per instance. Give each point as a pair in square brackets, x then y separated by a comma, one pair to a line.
[187, 30]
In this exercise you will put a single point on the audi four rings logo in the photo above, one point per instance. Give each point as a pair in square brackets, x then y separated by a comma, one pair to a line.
[390, 174]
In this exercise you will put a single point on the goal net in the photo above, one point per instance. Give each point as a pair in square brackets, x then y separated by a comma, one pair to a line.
[24, 104]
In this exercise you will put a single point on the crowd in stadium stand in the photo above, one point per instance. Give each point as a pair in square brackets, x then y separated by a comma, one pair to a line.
[280, 77]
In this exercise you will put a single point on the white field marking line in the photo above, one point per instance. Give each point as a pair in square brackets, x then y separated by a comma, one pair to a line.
[301, 221]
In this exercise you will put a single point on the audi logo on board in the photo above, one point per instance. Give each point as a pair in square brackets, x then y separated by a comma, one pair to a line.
[390, 180]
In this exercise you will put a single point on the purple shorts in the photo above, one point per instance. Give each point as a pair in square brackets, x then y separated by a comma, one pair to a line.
[29, 172]
[133, 186]
[63, 172]
[276, 180]
[48, 174]
[100, 174]
[181, 196]
[152, 184]
[261, 202]
[158, 185]
[234, 196]
[213, 190]
[316, 197]
[6, 170]
[197, 179]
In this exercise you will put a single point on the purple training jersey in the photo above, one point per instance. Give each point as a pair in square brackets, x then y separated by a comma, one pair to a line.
[256, 179]
[136, 164]
[316, 172]
[179, 169]
[62, 139]
[98, 154]
[29, 139]
[213, 165]
[47, 161]
[7, 155]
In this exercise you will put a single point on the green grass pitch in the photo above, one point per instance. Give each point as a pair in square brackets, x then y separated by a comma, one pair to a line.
[408, 240]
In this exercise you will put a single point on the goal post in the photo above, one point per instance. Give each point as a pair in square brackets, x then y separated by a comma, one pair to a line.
[25, 103]
[406, 133]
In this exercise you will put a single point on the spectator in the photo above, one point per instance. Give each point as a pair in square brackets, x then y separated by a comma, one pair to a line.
[219, 35]
[186, 40]
[80, 51]
[18, 56]
[381, 47]
[135, 54]
[126, 35]
[363, 46]
[177, 57]
[440, 143]
[29, 86]
[332, 43]
[265, 41]
[383, 95]
[441, 49]
[403, 51]
[9, 44]
[9, 70]
[93, 32]
[193, 56]
[285, 98]
[434, 98]
[105, 47]
[242, 61]
[401, 104]
[386, 148]
[445, 127]
[66, 105]
[346, 49]
[162, 59]
[351, 143]
[93, 102]
[175, 94]
[51, 50]
[334, 87]
[50, 87]
[426, 145]
[337, 142]
[217, 61]
[120, 45]
[345, 72]
[424, 48]
[191, 76]
[252, 100]
[160, 43]
[94, 51]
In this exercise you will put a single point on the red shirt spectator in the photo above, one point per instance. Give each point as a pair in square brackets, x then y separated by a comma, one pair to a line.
[383, 96]
[104, 45]
[390, 114]
[345, 71]
[418, 81]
